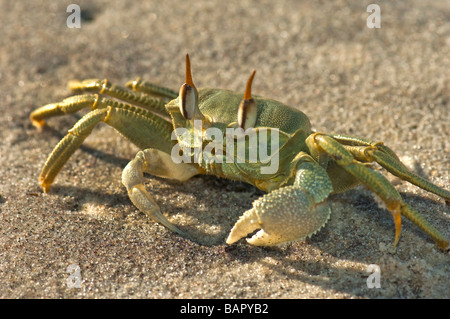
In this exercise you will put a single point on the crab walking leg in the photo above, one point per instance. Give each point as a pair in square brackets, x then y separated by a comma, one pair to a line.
[68, 145]
[152, 89]
[423, 224]
[67, 106]
[106, 88]
[139, 126]
[289, 213]
[398, 169]
[359, 141]
[153, 161]
[378, 184]
[367, 151]
[76, 103]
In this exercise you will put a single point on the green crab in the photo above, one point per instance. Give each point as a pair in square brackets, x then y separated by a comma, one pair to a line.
[186, 133]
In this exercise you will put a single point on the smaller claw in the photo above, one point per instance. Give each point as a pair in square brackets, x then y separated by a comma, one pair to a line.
[284, 215]
[132, 179]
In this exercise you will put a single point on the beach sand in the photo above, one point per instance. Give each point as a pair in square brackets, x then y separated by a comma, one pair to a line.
[387, 84]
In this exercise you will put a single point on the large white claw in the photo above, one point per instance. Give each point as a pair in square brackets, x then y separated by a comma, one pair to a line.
[284, 215]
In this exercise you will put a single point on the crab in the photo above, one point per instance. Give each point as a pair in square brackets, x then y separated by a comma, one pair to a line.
[174, 132]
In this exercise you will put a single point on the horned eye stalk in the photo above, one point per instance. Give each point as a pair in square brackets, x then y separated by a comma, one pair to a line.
[189, 96]
[247, 108]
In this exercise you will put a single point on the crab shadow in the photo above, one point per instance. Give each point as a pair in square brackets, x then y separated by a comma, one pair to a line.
[85, 195]
[95, 152]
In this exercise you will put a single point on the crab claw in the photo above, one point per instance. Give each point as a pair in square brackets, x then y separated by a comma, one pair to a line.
[284, 215]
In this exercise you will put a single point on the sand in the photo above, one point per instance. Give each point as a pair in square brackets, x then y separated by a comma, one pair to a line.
[85, 239]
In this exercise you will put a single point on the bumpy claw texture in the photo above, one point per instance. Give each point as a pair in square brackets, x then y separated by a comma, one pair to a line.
[284, 215]
[289, 213]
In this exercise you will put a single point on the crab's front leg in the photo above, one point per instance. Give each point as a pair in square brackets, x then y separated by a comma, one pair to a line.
[157, 163]
[289, 213]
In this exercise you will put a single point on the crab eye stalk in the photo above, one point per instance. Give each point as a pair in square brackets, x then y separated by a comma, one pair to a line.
[247, 108]
[189, 95]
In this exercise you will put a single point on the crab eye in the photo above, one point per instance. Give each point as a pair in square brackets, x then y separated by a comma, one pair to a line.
[247, 108]
[188, 94]
[188, 101]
